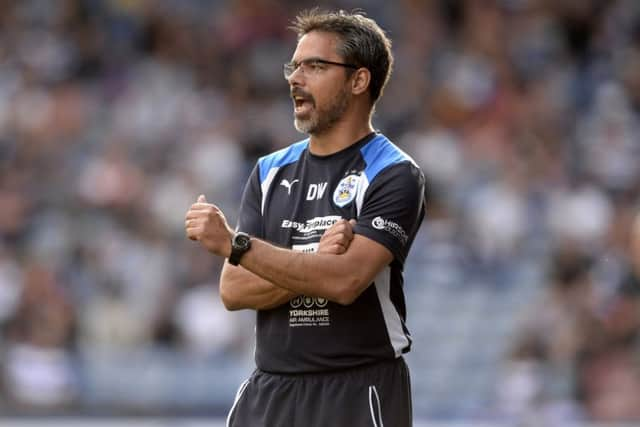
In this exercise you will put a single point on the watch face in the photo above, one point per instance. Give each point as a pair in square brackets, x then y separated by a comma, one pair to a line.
[240, 243]
[241, 240]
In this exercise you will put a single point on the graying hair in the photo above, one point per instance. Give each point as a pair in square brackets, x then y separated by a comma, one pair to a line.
[364, 43]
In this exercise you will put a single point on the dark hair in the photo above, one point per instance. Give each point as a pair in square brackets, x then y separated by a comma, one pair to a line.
[364, 43]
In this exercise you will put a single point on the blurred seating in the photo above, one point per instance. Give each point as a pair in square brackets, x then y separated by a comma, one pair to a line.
[116, 115]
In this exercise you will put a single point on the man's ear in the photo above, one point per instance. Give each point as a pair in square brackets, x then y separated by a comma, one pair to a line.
[360, 81]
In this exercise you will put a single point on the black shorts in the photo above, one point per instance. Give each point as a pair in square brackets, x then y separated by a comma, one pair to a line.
[374, 395]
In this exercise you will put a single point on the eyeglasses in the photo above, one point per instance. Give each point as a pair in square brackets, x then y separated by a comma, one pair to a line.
[312, 66]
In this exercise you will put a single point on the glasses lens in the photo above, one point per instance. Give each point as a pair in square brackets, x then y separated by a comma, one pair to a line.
[288, 68]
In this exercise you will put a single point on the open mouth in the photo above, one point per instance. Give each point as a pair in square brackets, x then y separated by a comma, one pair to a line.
[302, 104]
[302, 101]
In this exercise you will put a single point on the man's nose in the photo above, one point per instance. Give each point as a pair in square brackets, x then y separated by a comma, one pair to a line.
[296, 78]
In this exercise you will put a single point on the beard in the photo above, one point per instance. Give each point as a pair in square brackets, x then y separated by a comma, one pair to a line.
[321, 120]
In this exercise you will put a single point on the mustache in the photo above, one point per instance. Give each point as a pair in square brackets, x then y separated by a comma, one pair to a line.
[295, 92]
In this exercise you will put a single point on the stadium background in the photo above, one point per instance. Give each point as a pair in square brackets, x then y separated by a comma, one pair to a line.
[116, 114]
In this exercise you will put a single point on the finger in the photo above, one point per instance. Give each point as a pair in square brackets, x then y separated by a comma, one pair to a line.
[204, 210]
[339, 239]
[191, 223]
[349, 228]
[196, 214]
[339, 248]
[336, 227]
[202, 199]
[203, 207]
[334, 248]
[345, 234]
[193, 233]
[328, 233]
[328, 239]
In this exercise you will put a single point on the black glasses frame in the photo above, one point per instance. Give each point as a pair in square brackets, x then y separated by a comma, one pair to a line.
[290, 67]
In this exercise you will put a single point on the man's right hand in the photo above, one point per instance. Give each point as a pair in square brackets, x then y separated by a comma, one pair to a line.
[337, 238]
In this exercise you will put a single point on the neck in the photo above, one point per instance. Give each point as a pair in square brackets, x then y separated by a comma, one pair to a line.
[343, 134]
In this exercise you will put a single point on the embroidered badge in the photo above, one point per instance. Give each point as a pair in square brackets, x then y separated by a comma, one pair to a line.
[346, 190]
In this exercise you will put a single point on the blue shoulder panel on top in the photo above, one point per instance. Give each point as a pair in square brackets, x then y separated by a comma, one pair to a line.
[281, 158]
[380, 153]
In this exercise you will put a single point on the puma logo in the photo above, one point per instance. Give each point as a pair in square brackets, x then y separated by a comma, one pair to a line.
[285, 183]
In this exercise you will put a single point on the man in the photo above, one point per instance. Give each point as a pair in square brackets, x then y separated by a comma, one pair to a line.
[328, 292]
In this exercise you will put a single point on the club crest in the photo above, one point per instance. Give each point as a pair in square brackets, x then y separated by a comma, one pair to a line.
[346, 190]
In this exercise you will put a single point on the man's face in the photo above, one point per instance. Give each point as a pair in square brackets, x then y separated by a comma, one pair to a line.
[320, 93]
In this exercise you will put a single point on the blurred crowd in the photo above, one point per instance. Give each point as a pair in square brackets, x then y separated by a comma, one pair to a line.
[116, 114]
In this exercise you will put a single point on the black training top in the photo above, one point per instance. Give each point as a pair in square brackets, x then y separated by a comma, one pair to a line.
[291, 198]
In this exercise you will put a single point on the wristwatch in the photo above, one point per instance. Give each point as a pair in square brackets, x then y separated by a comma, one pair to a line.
[240, 243]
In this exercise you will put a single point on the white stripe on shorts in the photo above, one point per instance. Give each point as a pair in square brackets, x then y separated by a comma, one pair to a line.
[373, 393]
[241, 389]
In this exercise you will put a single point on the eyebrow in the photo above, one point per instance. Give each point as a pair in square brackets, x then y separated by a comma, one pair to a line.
[323, 61]
[311, 58]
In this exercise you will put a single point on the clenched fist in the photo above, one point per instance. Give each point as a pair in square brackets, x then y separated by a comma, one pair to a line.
[337, 238]
[206, 224]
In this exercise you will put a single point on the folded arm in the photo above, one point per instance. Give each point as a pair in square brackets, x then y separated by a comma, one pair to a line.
[240, 288]
[337, 277]
[340, 278]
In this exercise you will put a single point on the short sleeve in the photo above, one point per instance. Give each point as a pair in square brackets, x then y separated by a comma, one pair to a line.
[393, 208]
[250, 215]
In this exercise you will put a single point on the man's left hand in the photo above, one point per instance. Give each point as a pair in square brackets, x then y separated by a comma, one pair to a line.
[337, 238]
